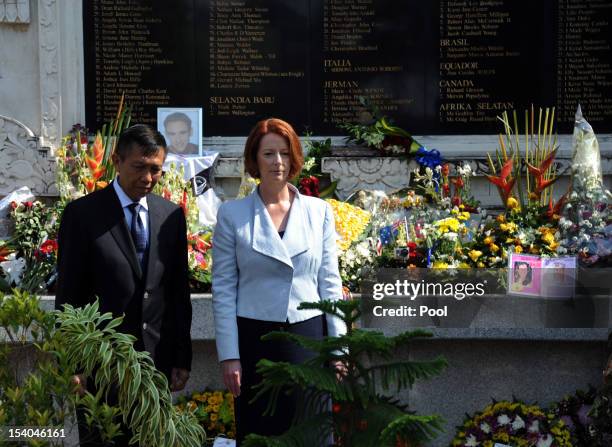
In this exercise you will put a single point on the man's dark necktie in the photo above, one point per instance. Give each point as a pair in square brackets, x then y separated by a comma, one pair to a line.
[139, 235]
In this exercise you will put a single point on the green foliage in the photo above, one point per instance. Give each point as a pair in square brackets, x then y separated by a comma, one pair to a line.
[362, 415]
[94, 346]
[380, 133]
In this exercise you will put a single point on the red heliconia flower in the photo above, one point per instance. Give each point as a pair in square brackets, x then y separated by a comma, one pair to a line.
[13, 205]
[456, 201]
[336, 408]
[540, 171]
[90, 184]
[28, 204]
[505, 182]
[166, 194]
[555, 210]
[98, 173]
[94, 160]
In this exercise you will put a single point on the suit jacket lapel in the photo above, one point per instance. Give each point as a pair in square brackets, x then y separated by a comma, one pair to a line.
[297, 238]
[120, 231]
[265, 238]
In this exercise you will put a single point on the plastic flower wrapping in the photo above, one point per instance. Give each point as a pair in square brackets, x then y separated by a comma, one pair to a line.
[214, 411]
[586, 222]
[515, 424]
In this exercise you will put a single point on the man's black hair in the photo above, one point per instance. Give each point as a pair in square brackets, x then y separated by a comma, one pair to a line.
[142, 136]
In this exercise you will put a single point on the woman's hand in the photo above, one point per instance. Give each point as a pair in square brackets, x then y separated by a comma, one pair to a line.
[232, 375]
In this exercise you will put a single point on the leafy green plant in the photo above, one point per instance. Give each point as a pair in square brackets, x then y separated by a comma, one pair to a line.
[381, 134]
[41, 351]
[93, 346]
[362, 414]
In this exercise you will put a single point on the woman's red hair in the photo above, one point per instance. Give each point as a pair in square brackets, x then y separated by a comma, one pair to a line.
[279, 127]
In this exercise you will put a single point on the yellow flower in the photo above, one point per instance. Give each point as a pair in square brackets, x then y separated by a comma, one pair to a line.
[512, 203]
[510, 227]
[503, 436]
[448, 224]
[534, 250]
[350, 222]
[214, 417]
[480, 265]
[494, 248]
[501, 218]
[548, 237]
[464, 265]
[488, 240]
[440, 265]
[518, 249]
[475, 254]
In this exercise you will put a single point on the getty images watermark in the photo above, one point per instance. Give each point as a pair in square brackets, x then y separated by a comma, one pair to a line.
[407, 289]
[484, 298]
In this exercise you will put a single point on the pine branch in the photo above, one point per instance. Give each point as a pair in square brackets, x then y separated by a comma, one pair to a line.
[313, 432]
[281, 375]
[413, 427]
[405, 374]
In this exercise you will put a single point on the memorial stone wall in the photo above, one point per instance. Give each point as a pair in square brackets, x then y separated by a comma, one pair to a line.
[439, 67]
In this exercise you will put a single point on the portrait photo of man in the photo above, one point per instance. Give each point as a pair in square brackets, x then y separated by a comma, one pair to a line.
[182, 130]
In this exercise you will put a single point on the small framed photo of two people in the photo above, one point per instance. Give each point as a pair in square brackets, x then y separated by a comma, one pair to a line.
[524, 275]
[182, 129]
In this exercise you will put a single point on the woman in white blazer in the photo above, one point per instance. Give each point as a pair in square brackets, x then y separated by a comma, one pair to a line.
[272, 251]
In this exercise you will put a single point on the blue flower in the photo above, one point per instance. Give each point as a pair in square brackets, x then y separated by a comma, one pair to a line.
[428, 158]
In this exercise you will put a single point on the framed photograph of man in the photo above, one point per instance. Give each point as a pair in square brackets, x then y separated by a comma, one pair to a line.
[182, 128]
[524, 274]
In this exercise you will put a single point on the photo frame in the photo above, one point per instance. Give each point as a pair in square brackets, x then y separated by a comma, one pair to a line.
[182, 129]
[524, 274]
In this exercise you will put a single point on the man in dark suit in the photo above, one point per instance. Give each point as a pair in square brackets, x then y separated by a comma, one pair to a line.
[129, 248]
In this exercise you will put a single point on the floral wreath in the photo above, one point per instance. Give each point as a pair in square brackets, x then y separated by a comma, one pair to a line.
[512, 423]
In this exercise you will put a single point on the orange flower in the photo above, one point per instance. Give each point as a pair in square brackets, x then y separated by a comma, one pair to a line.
[90, 184]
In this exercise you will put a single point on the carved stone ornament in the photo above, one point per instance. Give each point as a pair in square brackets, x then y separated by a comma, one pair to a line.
[23, 161]
[370, 173]
[49, 56]
[15, 11]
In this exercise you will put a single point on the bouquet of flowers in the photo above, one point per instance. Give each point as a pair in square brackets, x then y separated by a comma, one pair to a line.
[30, 255]
[84, 168]
[586, 223]
[512, 423]
[355, 248]
[214, 411]
[573, 410]
[173, 186]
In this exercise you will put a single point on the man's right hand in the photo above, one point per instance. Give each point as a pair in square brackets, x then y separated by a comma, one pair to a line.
[232, 375]
[80, 384]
